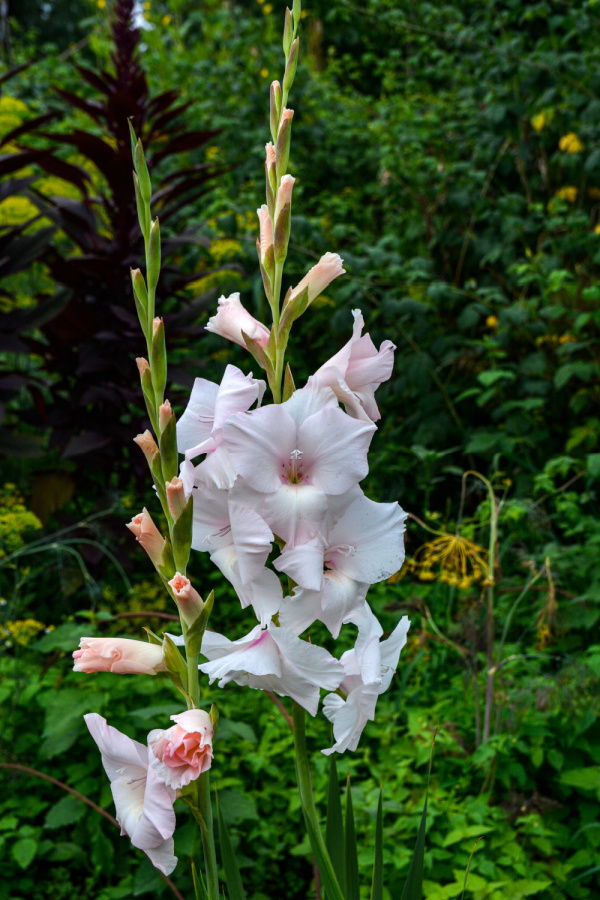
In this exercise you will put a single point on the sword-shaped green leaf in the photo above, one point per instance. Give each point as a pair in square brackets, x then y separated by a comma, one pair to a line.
[233, 879]
[351, 856]
[413, 889]
[199, 886]
[334, 832]
[377, 883]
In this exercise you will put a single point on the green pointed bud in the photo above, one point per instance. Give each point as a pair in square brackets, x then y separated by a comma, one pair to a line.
[214, 717]
[290, 67]
[175, 663]
[152, 638]
[142, 172]
[133, 138]
[195, 633]
[158, 359]
[167, 443]
[270, 177]
[275, 108]
[142, 210]
[288, 30]
[259, 354]
[284, 139]
[282, 233]
[288, 383]
[153, 256]
[140, 295]
[166, 567]
[147, 388]
[182, 535]
[297, 12]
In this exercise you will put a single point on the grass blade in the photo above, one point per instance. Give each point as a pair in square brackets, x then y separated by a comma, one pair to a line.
[200, 891]
[334, 832]
[377, 883]
[233, 879]
[462, 896]
[413, 889]
[351, 856]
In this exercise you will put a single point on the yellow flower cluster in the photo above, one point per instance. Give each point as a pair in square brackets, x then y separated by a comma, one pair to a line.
[457, 561]
[223, 249]
[555, 340]
[570, 143]
[538, 122]
[21, 631]
[15, 520]
[491, 321]
[568, 193]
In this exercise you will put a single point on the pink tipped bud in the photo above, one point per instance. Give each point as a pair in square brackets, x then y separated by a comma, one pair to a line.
[286, 116]
[270, 154]
[143, 365]
[148, 536]
[266, 231]
[156, 325]
[164, 414]
[120, 655]
[176, 497]
[188, 599]
[284, 194]
[232, 318]
[320, 276]
[147, 444]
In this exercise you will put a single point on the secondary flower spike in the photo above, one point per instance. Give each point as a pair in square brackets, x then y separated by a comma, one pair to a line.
[120, 655]
[182, 752]
[144, 803]
[232, 318]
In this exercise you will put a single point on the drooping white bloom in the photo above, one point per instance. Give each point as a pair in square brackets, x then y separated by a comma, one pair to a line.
[369, 668]
[143, 802]
[272, 659]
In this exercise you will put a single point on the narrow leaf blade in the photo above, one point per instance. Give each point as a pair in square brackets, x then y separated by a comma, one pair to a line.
[235, 887]
[334, 832]
[413, 889]
[377, 883]
[351, 855]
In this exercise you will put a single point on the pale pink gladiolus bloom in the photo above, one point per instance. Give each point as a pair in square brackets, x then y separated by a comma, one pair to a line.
[176, 496]
[297, 453]
[319, 277]
[181, 753]
[369, 668]
[147, 444]
[120, 655]
[266, 230]
[164, 414]
[188, 599]
[232, 318]
[148, 535]
[284, 194]
[272, 660]
[355, 373]
[144, 803]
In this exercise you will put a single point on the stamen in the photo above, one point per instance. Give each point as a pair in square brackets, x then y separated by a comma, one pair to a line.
[295, 475]
[346, 550]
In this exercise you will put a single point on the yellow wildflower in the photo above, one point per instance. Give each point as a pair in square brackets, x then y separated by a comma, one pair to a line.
[538, 122]
[166, 20]
[597, 229]
[264, 73]
[304, 13]
[567, 339]
[461, 562]
[491, 321]
[267, 9]
[570, 143]
[101, 4]
[568, 193]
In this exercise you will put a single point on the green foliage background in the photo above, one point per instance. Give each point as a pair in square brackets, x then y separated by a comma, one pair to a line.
[427, 149]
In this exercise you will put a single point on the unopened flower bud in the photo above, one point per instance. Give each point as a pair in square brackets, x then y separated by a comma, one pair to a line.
[143, 365]
[319, 277]
[290, 68]
[188, 599]
[148, 536]
[270, 177]
[164, 414]
[156, 323]
[287, 31]
[284, 138]
[153, 269]
[275, 97]
[232, 318]
[148, 445]
[143, 175]
[283, 218]
[176, 497]
[284, 194]
[123, 656]
[140, 296]
[159, 357]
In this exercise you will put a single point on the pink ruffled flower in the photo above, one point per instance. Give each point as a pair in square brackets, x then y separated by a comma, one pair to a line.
[144, 803]
[355, 373]
[232, 318]
[181, 753]
[148, 536]
[120, 655]
[319, 277]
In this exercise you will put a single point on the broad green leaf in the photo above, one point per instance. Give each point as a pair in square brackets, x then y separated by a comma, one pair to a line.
[67, 811]
[334, 832]
[235, 887]
[237, 806]
[377, 882]
[469, 832]
[527, 887]
[350, 853]
[23, 852]
[587, 779]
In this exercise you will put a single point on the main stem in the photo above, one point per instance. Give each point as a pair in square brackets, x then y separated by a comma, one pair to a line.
[330, 882]
[208, 836]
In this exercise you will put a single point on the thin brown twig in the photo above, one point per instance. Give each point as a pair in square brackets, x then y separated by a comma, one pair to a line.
[17, 767]
[280, 707]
